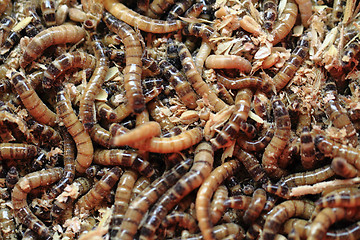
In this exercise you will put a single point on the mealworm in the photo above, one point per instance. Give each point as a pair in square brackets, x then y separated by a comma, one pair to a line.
[69, 165]
[12, 177]
[124, 158]
[158, 7]
[218, 204]
[7, 223]
[239, 115]
[140, 133]
[139, 186]
[31, 100]
[147, 197]
[259, 144]
[284, 211]
[201, 30]
[51, 36]
[194, 10]
[251, 164]
[19, 194]
[202, 166]
[82, 185]
[6, 25]
[48, 12]
[10, 41]
[270, 13]
[65, 62]
[196, 80]
[278, 142]
[332, 149]
[307, 149]
[202, 204]
[45, 135]
[351, 232]
[256, 206]
[341, 120]
[144, 23]
[151, 66]
[305, 8]
[101, 136]
[35, 26]
[344, 197]
[298, 55]
[285, 23]
[96, 194]
[181, 219]
[77, 131]
[245, 82]
[240, 202]
[342, 168]
[11, 151]
[201, 56]
[122, 200]
[228, 62]
[180, 84]
[177, 143]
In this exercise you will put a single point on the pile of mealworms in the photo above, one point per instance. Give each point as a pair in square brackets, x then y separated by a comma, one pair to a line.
[191, 119]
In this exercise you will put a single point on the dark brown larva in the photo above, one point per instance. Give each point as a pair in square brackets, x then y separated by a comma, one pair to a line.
[270, 13]
[307, 149]
[9, 151]
[12, 177]
[48, 12]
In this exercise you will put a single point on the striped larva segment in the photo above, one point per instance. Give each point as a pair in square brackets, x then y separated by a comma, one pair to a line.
[65, 62]
[139, 186]
[10, 151]
[180, 84]
[99, 190]
[124, 158]
[19, 194]
[342, 168]
[201, 30]
[283, 212]
[158, 7]
[133, 52]
[36, 107]
[298, 55]
[258, 145]
[228, 62]
[331, 149]
[351, 232]
[69, 165]
[86, 111]
[122, 200]
[344, 197]
[77, 131]
[181, 219]
[101, 136]
[202, 166]
[48, 12]
[278, 142]
[270, 13]
[146, 24]
[177, 143]
[179, 9]
[44, 134]
[33, 28]
[240, 202]
[51, 36]
[218, 203]
[286, 22]
[60, 205]
[196, 80]
[7, 223]
[202, 204]
[239, 115]
[307, 149]
[256, 206]
[6, 25]
[12, 177]
[305, 8]
[147, 197]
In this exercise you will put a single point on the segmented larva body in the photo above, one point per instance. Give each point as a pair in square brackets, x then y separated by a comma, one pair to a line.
[9, 151]
[12, 177]
[240, 114]
[36, 107]
[51, 36]
[251, 164]
[146, 24]
[270, 13]
[101, 136]
[344, 197]
[48, 12]
[60, 205]
[287, 72]
[228, 62]
[256, 206]
[195, 10]
[307, 149]
[341, 120]
[122, 200]
[218, 203]
[181, 219]
[178, 9]
[286, 22]
[124, 158]
[158, 7]
[151, 65]
[283, 212]
[258, 145]
[18, 198]
[46, 135]
[342, 168]
[196, 80]
[133, 69]
[99, 190]
[202, 204]
[222, 231]
[177, 143]
[69, 165]
[7, 223]
[202, 166]
[36, 26]
[278, 142]
[201, 30]
[240, 202]
[6, 25]
[147, 197]
[77, 131]
[11, 40]
[180, 84]
[65, 62]
[351, 232]
[139, 186]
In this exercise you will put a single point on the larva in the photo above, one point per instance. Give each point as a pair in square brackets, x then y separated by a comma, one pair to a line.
[9, 151]
[342, 168]
[307, 149]
[48, 12]
[258, 145]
